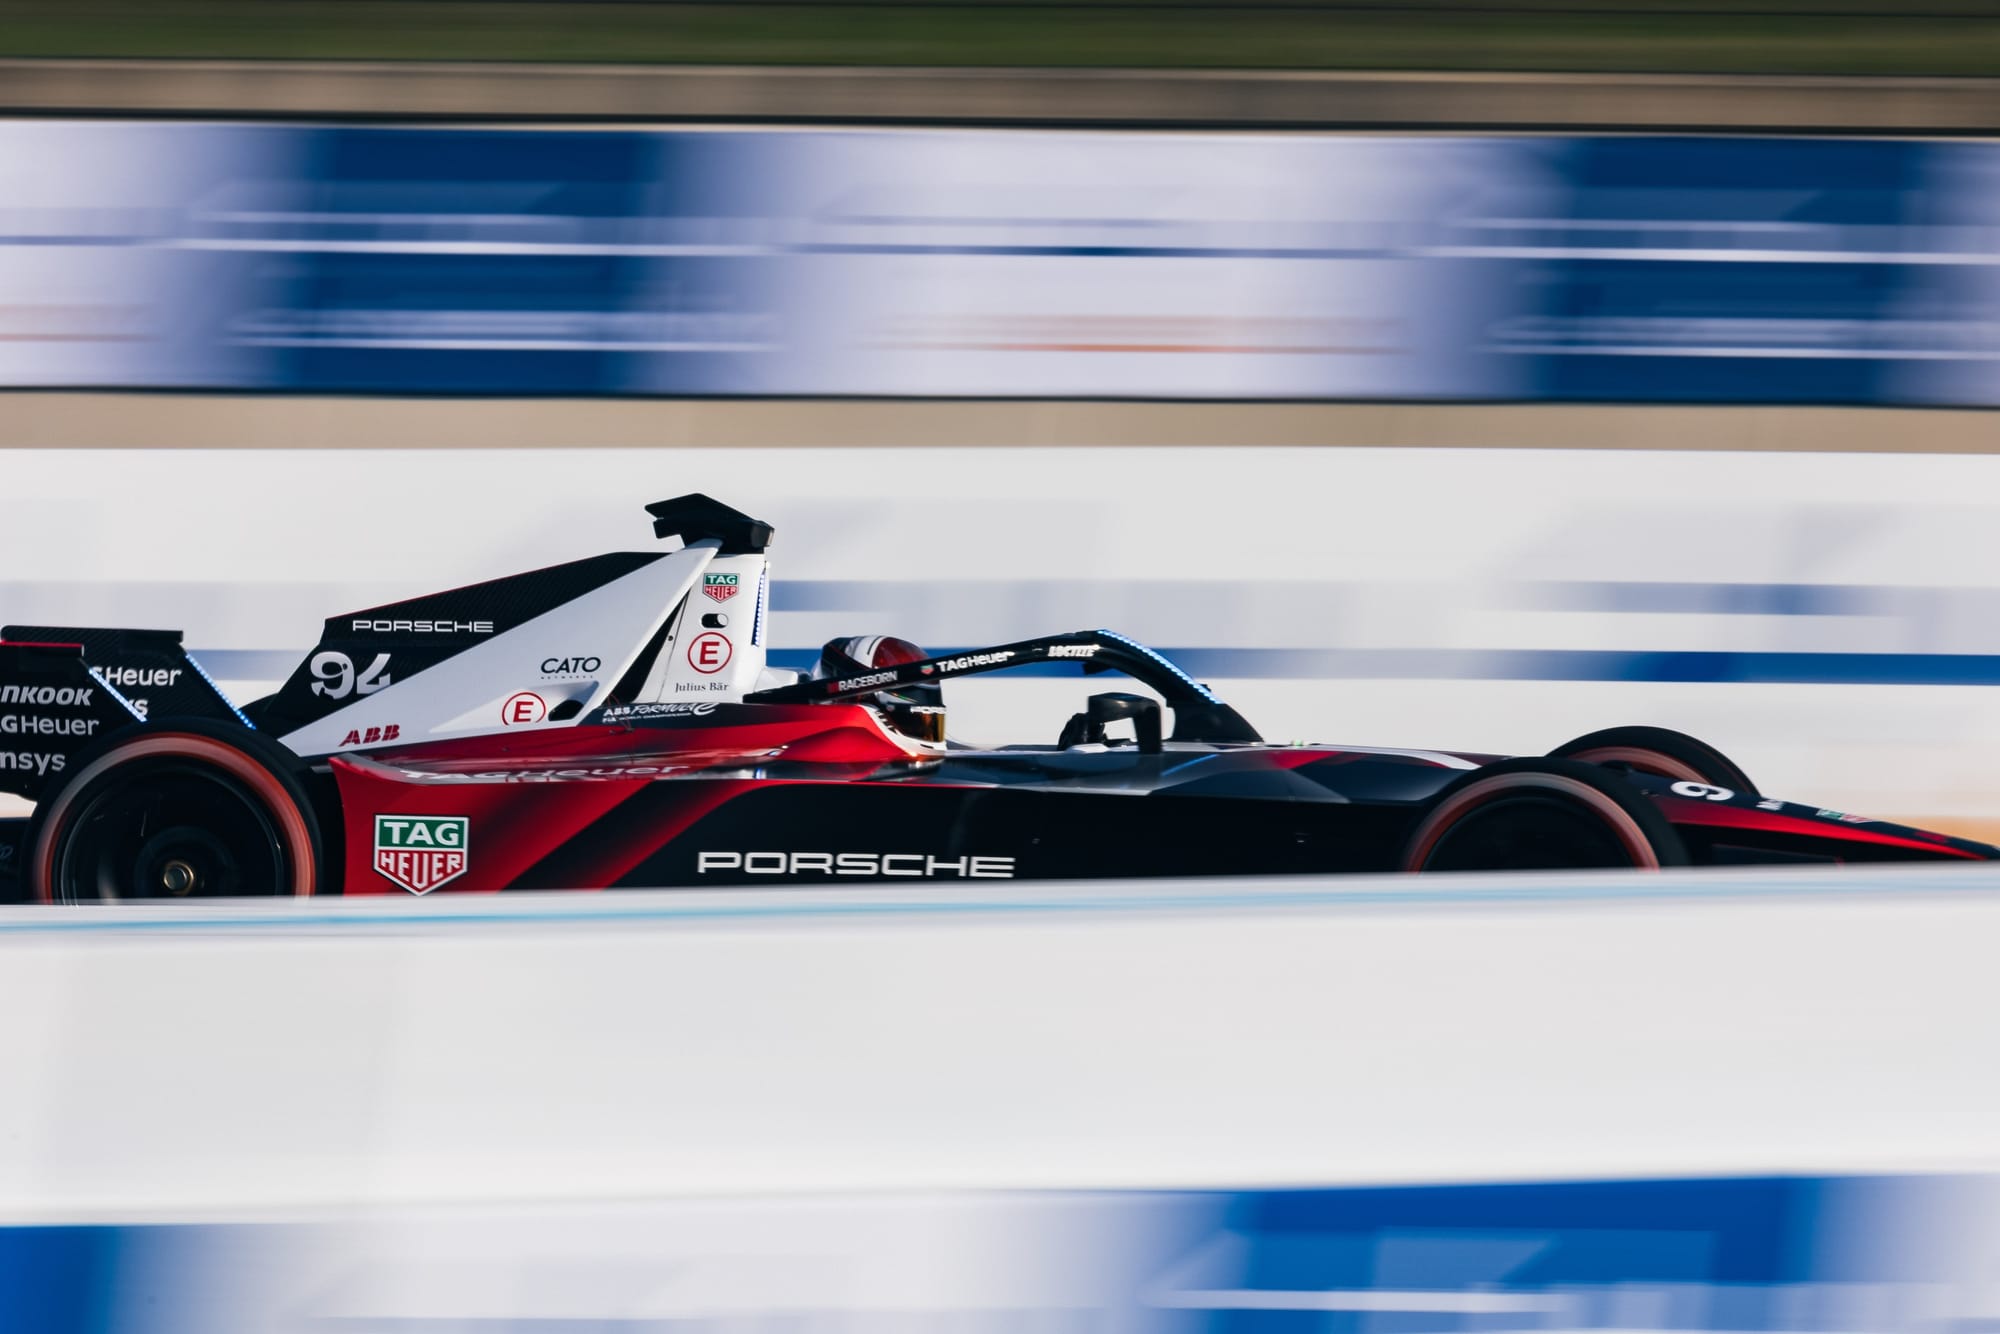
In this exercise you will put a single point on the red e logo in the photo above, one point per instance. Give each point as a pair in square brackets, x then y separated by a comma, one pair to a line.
[709, 653]
[525, 707]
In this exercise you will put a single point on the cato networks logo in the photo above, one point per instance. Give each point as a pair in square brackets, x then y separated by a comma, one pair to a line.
[720, 587]
[420, 852]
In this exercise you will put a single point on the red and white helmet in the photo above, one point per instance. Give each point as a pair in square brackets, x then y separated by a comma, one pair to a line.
[914, 710]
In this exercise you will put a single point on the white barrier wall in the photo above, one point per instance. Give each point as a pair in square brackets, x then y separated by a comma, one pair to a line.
[1830, 621]
[1688, 1102]
[234, 1062]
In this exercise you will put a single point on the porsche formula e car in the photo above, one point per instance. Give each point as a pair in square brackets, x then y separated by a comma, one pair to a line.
[612, 722]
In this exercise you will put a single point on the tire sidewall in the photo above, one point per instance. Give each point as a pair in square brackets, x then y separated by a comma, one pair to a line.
[1646, 834]
[270, 772]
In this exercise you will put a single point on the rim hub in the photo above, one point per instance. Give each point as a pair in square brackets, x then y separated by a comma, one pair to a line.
[178, 878]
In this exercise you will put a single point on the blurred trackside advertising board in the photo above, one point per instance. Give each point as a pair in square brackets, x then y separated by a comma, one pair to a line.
[1804, 1255]
[998, 263]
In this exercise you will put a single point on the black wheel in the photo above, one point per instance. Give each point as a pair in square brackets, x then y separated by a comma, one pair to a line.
[1660, 752]
[1541, 815]
[178, 809]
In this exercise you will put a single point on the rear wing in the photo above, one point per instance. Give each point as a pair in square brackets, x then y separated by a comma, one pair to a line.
[62, 687]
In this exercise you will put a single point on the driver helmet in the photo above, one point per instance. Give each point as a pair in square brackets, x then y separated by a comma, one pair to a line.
[915, 710]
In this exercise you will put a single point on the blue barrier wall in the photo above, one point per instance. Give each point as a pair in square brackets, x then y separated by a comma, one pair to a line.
[997, 263]
[1748, 1254]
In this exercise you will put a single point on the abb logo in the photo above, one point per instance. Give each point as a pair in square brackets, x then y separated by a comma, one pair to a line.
[373, 736]
[710, 653]
[523, 707]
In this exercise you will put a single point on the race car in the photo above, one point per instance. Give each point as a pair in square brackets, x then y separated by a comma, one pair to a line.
[612, 722]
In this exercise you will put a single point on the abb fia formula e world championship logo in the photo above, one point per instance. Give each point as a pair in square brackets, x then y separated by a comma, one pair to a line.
[421, 852]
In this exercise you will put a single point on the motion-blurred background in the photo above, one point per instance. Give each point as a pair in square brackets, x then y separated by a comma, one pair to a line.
[1445, 373]
[1437, 373]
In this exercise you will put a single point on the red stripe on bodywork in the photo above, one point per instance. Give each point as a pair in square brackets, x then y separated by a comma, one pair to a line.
[512, 825]
[611, 864]
[1689, 811]
[815, 731]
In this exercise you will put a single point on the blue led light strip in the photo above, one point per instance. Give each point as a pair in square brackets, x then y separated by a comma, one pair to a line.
[1165, 662]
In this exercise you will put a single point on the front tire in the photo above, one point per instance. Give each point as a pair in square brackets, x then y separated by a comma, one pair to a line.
[178, 809]
[1661, 752]
[1542, 815]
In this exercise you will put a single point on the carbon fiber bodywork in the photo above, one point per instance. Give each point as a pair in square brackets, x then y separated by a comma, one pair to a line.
[762, 794]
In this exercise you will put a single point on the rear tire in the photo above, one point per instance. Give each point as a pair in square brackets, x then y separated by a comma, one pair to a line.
[176, 809]
[1660, 752]
[1542, 815]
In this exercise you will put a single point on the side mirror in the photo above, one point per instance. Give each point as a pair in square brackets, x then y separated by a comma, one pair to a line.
[1088, 726]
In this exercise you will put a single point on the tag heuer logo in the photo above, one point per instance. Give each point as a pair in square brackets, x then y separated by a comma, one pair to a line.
[420, 852]
[721, 587]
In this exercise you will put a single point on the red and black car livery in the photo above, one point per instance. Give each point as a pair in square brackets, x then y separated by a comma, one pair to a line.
[612, 722]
